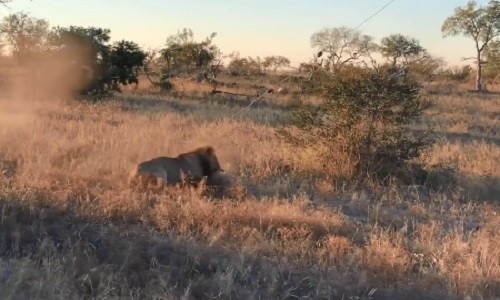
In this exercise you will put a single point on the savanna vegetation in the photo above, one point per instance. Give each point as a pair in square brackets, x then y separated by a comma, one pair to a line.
[370, 172]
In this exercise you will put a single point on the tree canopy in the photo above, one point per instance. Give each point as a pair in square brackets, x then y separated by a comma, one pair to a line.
[402, 49]
[275, 62]
[342, 45]
[481, 23]
[79, 49]
[183, 54]
[24, 34]
[111, 64]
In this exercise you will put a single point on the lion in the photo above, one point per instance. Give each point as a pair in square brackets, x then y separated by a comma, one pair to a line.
[187, 168]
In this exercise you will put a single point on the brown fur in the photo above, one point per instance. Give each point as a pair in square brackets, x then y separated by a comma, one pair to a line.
[190, 168]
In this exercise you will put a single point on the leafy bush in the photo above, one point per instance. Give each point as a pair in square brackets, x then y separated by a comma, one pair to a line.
[183, 55]
[110, 65]
[458, 74]
[242, 66]
[26, 36]
[365, 113]
[275, 62]
[85, 52]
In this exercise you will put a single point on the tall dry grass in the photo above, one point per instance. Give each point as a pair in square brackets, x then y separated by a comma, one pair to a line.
[288, 229]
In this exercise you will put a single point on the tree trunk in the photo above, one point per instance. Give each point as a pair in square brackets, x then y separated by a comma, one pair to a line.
[479, 84]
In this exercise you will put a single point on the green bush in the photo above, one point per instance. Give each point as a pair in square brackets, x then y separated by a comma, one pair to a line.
[183, 55]
[365, 113]
[111, 65]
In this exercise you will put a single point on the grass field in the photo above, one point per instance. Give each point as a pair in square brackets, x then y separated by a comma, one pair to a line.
[286, 229]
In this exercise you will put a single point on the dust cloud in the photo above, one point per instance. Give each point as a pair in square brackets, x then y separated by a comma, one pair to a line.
[33, 85]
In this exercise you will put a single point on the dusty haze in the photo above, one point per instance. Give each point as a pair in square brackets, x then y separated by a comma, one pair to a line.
[39, 83]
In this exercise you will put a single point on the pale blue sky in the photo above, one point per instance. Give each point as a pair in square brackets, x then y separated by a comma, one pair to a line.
[257, 27]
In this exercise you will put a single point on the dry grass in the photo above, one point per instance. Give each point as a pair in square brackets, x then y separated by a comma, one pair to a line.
[467, 129]
[71, 227]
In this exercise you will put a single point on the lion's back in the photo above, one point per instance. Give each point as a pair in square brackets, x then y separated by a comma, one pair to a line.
[163, 168]
[192, 166]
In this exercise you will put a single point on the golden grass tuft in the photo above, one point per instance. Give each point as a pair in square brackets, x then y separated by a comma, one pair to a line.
[386, 257]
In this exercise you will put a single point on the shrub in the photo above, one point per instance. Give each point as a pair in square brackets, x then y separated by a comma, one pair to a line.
[183, 55]
[365, 113]
[110, 65]
[245, 67]
[457, 74]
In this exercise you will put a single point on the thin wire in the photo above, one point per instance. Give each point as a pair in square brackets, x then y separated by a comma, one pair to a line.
[288, 77]
[379, 11]
[261, 95]
[271, 89]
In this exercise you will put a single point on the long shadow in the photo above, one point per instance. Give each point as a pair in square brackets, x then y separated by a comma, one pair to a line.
[478, 188]
[469, 137]
[112, 259]
[154, 105]
[222, 107]
[481, 189]
[459, 137]
[196, 100]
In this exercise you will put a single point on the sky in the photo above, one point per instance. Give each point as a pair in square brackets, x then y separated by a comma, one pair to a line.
[257, 27]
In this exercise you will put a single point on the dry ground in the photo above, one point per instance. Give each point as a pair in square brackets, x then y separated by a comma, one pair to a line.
[71, 228]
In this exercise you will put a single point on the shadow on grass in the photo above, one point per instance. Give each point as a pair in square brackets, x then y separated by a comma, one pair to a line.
[458, 137]
[69, 255]
[119, 260]
[475, 188]
[468, 137]
[262, 111]
[481, 189]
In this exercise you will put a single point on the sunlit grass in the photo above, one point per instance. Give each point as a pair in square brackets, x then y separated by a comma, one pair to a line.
[284, 212]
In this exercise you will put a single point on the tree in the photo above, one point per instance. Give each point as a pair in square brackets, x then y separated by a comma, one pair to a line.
[482, 24]
[406, 52]
[4, 2]
[402, 49]
[249, 66]
[89, 48]
[426, 68]
[24, 34]
[183, 54]
[342, 45]
[456, 73]
[87, 45]
[365, 114]
[275, 62]
[154, 69]
[492, 56]
[125, 59]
